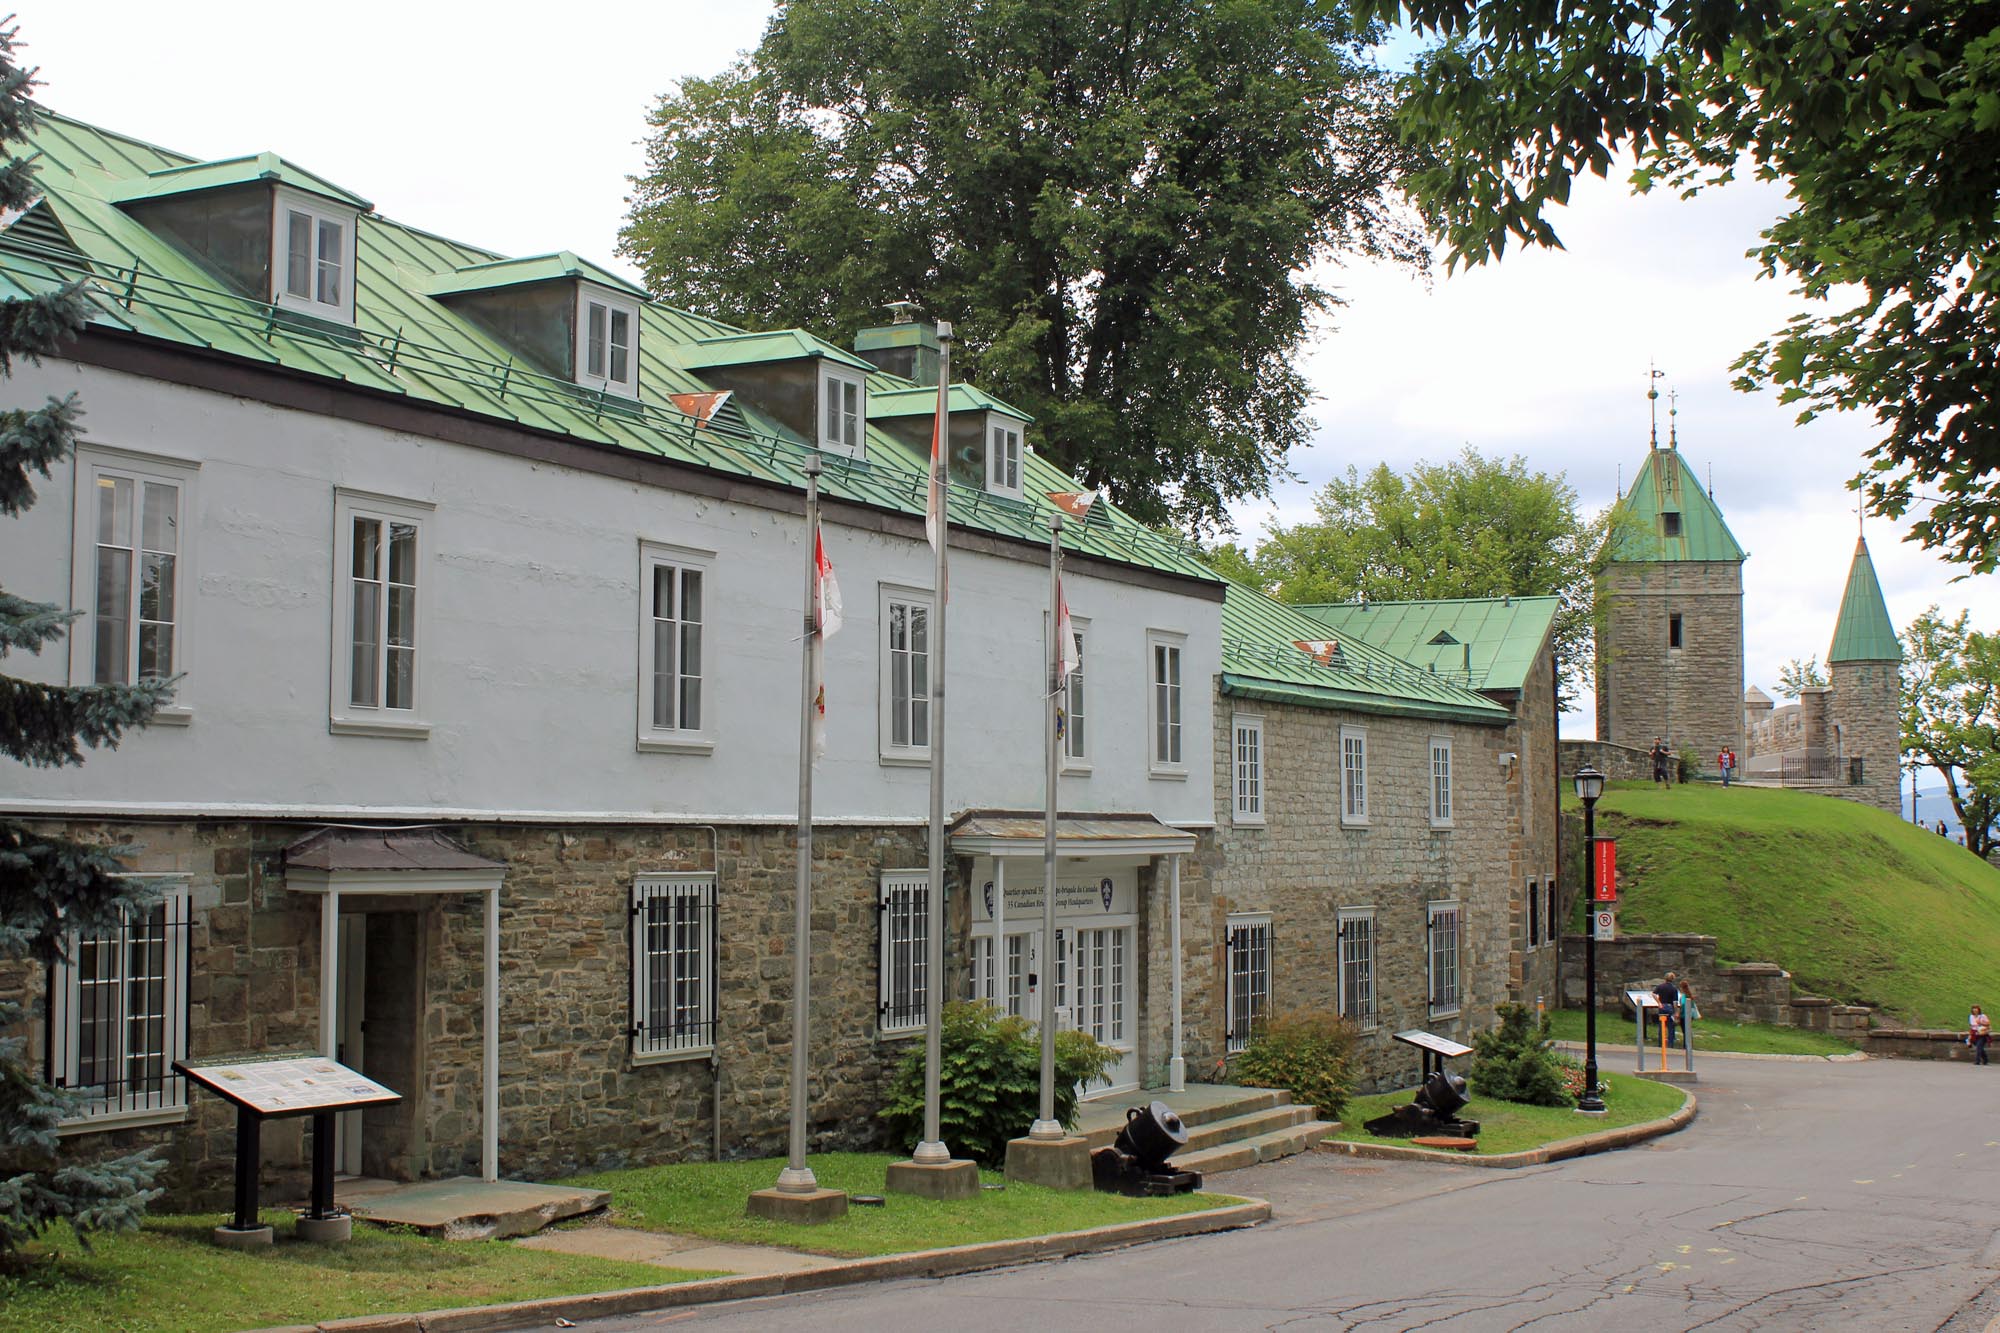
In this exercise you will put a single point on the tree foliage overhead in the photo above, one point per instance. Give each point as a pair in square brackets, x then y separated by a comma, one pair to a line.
[1880, 118]
[1471, 527]
[1117, 204]
[1796, 676]
[50, 886]
[1951, 716]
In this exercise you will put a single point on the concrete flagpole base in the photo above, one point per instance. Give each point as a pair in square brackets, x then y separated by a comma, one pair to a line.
[250, 1238]
[1062, 1164]
[326, 1230]
[815, 1205]
[953, 1178]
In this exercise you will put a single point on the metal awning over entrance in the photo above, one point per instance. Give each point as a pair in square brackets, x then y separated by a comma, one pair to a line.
[378, 862]
[1078, 837]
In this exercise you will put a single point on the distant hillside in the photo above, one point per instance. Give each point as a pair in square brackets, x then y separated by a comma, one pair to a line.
[1856, 904]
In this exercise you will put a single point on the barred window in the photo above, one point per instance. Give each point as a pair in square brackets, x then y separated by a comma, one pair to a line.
[1446, 925]
[903, 988]
[119, 1013]
[1356, 938]
[673, 965]
[1249, 994]
[1534, 914]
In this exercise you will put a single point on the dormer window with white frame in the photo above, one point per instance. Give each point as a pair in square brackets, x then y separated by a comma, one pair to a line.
[313, 241]
[607, 342]
[1003, 456]
[843, 412]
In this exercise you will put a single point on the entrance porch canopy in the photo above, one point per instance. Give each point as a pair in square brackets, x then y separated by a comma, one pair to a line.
[338, 861]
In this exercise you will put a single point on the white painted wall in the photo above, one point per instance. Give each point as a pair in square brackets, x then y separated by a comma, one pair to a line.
[529, 649]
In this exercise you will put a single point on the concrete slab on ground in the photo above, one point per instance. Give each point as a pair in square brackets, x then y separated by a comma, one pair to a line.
[677, 1251]
[466, 1209]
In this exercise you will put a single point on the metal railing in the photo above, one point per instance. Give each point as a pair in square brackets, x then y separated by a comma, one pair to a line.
[118, 1013]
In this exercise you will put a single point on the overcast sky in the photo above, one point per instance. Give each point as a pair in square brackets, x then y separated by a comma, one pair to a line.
[515, 126]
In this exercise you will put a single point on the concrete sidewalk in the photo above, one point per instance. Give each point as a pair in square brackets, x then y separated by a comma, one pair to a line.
[605, 1241]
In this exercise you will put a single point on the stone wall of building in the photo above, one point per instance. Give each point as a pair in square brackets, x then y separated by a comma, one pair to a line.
[1301, 866]
[1865, 707]
[1691, 695]
[1537, 783]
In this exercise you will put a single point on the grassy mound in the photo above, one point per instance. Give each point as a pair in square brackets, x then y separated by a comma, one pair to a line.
[1857, 904]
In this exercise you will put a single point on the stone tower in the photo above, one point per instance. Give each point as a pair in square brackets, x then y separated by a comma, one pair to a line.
[1864, 667]
[1670, 637]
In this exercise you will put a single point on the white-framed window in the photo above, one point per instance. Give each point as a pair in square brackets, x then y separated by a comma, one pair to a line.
[903, 989]
[1440, 782]
[1446, 922]
[674, 666]
[607, 342]
[1248, 998]
[906, 675]
[673, 966]
[1247, 765]
[1076, 711]
[1354, 775]
[1534, 916]
[1164, 701]
[314, 246]
[381, 596]
[130, 569]
[843, 411]
[1003, 456]
[118, 1015]
[1355, 941]
[984, 981]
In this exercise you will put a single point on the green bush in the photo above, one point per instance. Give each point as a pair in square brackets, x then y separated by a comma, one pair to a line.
[990, 1083]
[1308, 1054]
[1514, 1063]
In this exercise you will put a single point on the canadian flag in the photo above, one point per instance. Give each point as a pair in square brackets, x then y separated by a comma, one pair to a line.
[1074, 503]
[701, 406]
[826, 617]
[934, 510]
[1067, 659]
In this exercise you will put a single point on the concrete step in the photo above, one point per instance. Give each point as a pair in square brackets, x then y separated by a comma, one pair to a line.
[1100, 1121]
[1236, 1127]
[1267, 1147]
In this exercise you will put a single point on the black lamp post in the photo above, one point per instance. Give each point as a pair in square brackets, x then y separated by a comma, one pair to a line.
[1590, 786]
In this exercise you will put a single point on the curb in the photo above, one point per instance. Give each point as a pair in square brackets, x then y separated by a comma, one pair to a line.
[1561, 1150]
[1576, 1047]
[920, 1263]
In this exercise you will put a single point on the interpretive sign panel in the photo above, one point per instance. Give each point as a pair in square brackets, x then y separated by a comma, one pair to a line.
[299, 1085]
[1642, 999]
[1436, 1045]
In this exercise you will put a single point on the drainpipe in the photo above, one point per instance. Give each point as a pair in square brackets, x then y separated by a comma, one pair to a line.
[1177, 1066]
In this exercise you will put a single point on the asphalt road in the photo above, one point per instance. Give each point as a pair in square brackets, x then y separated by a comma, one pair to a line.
[1804, 1196]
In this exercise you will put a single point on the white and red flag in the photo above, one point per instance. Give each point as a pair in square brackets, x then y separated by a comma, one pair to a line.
[934, 511]
[1075, 503]
[701, 406]
[1067, 660]
[826, 620]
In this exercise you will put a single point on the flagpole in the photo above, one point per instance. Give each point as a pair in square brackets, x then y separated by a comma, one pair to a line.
[1046, 1125]
[797, 1177]
[932, 1149]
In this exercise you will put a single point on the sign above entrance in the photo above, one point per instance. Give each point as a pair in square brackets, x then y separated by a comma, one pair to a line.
[298, 1085]
[1111, 891]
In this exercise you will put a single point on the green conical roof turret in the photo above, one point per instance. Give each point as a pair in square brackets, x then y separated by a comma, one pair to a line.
[1668, 516]
[1863, 632]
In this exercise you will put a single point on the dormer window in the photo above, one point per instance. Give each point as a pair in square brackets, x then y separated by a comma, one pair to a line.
[316, 265]
[607, 344]
[1003, 457]
[843, 412]
[1670, 524]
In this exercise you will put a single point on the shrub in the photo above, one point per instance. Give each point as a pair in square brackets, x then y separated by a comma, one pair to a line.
[1513, 1062]
[1308, 1054]
[1571, 1070]
[990, 1081]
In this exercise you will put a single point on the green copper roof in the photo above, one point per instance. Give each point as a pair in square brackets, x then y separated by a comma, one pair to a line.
[192, 177]
[406, 345]
[742, 349]
[1261, 659]
[922, 402]
[1488, 642]
[535, 268]
[1863, 632]
[1666, 515]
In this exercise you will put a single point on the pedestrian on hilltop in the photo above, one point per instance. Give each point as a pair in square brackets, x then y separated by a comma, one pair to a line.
[1978, 1032]
[1660, 754]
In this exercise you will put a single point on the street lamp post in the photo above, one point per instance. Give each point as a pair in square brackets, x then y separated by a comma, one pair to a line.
[1590, 786]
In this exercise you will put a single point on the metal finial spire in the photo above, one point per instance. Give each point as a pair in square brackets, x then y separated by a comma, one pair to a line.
[1673, 411]
[1653, 374]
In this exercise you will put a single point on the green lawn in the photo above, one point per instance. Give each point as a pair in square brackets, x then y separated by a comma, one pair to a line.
[1506, 1127]
[1857, 904]
[707, 1199]
[1710, 1034]
[171, 1277]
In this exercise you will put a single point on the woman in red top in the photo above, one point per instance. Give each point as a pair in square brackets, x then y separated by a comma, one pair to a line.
[1978, 1030]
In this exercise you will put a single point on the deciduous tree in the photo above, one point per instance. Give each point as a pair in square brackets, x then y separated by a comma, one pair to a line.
[1880, 118]
[1118, 204]
[1951, 716]
[1795, 676]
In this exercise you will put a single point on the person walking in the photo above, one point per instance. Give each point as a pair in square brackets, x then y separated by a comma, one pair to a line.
[1659, 755]
[1726, 761]
[1978, 1032]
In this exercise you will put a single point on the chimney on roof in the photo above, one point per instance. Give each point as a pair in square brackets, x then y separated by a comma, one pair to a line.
[906, 346]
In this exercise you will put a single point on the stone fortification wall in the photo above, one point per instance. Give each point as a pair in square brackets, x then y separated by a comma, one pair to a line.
[1745, 992]
[1691, 695]
[1619, 763]
[1864, 707]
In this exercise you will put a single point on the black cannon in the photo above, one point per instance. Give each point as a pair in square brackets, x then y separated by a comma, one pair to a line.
[1434, 1110]
[1136, 1162]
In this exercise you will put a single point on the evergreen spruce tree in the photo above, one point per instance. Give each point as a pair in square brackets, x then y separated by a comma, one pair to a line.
[50, 887]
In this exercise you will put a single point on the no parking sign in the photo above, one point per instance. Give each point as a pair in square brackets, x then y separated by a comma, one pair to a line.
[1604, 924]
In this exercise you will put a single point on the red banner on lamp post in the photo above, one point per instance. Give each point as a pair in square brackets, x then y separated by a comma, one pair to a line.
[1606, 852]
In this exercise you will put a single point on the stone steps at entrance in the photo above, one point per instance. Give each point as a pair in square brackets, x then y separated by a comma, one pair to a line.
[1228, 1127]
